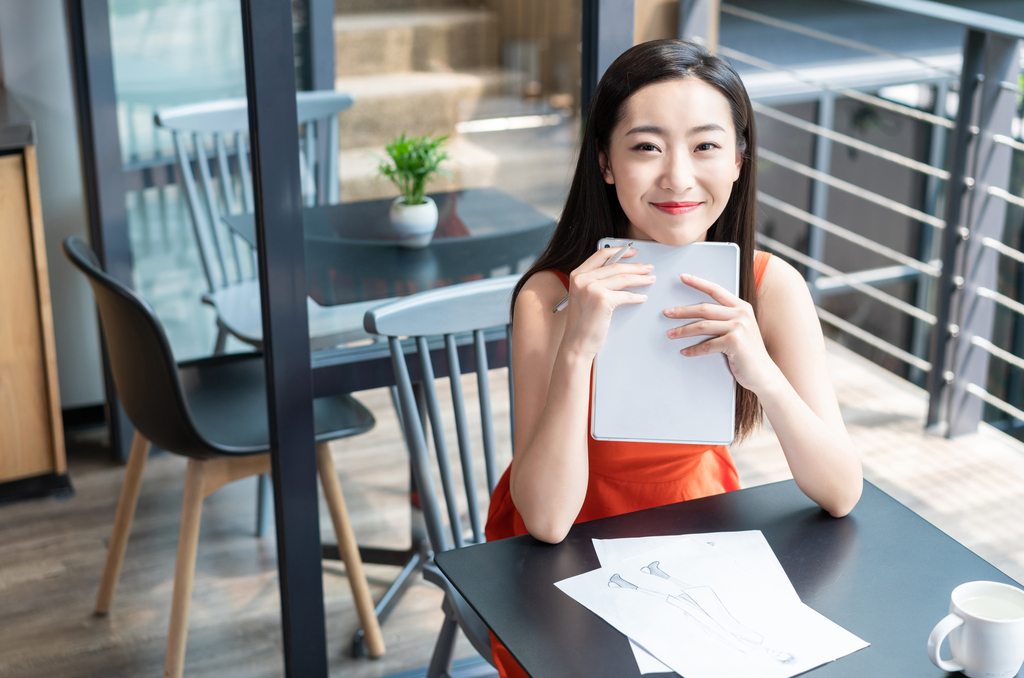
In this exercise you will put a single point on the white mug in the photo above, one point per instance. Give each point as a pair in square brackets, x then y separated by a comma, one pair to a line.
[985, 626]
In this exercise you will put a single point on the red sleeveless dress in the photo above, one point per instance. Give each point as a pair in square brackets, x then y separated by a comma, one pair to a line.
[625, 477]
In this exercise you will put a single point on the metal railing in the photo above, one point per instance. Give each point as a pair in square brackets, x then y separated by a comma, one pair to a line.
[955, 267]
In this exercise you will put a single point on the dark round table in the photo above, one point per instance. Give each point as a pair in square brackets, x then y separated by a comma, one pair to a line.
[352, 253]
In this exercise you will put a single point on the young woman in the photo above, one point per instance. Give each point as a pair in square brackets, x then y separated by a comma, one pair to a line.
[669, 155]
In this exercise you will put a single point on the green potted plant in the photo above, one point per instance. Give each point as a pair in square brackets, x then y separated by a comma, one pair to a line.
[411, 163]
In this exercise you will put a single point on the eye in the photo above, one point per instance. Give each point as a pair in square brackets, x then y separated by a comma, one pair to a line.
[707, 146]
[645, 146]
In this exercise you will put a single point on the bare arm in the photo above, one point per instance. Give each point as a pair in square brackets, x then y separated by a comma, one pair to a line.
[780, 356]
[801, 403]
[553, 354]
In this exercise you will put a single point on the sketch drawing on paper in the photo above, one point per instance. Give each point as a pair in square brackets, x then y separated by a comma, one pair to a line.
[702, 606]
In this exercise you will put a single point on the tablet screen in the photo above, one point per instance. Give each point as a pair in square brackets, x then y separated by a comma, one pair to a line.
[643, 389]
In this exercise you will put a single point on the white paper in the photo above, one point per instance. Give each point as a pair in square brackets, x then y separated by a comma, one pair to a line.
[705, 617]
[746, 549]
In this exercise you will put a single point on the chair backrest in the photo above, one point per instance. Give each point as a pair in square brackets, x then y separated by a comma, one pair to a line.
[145, 373]
[224, 125]
[452, 315]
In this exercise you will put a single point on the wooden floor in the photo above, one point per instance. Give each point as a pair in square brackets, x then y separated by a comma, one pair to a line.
[51, 552]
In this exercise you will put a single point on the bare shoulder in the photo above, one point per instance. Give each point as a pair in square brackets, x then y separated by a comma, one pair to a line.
[781, 283]
[781, 286]
[542, 290]
[536, 333]
[784, 304]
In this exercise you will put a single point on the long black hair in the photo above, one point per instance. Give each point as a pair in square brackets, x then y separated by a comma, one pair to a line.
[592, 210]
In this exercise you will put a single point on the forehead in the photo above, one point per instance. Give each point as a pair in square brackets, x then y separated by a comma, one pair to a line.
[676, 105]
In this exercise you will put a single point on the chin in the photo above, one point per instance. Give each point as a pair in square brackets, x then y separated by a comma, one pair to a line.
[674, 237]
[687, 240]
[674, 233]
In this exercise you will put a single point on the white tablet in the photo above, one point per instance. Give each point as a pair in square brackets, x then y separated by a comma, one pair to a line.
[643, 389]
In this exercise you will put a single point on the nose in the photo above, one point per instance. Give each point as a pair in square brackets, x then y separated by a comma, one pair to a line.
[678, 173]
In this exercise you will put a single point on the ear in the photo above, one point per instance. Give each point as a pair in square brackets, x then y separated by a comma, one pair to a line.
[606, 170]
[739, 166]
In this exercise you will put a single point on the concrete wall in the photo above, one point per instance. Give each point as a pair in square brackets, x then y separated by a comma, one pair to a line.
[34, 54]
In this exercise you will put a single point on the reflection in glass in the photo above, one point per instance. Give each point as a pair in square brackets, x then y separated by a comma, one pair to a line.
[499, 77]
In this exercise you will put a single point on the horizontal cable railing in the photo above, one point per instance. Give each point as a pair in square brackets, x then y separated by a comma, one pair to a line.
[997, 192]
[837, 279]
[872, 276]
[846, 278]
[1001, 299]
[845, 91]
[871, 339]
[903, 160]
[848, 235]
[852, 189]
[967, 18]
[1006, 356]
[828, 37]
[909, 268]
[1005, 250]
[992, 349]
[995, 402]
[1008, 141]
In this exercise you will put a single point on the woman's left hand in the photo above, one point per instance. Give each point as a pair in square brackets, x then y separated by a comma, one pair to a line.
[732, 329]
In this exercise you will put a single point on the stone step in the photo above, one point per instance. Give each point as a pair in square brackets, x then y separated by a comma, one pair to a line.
[468, 166]
[421, 40]
[415, 103]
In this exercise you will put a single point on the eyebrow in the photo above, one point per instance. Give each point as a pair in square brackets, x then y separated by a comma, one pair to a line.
[654, 129]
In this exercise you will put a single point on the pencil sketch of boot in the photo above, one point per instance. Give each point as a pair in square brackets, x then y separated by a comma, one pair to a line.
[617, 582]
[708, 601]
[693, 611]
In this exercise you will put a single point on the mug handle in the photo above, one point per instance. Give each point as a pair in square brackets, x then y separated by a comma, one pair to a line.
[939, 633]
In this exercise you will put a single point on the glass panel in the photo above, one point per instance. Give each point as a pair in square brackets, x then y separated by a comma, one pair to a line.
[499, 79]
[167, 53]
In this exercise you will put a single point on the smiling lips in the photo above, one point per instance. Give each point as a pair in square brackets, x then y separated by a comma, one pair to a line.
[676, 207]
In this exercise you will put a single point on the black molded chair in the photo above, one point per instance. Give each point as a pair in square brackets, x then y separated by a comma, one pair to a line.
[213, 411]
[447, 318]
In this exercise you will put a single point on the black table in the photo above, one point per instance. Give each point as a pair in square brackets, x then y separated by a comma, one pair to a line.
[883, 573]
[352, 254]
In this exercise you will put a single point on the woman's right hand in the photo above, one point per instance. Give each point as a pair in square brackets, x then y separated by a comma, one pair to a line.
[595, 290]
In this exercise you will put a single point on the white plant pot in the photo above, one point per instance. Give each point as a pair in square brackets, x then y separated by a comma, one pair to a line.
[413, 224]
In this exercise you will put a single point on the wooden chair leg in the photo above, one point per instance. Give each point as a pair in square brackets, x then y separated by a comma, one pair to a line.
[349, 551]
[185, 567]
[123, 521]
